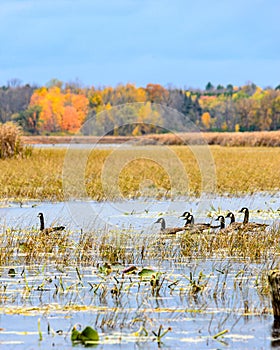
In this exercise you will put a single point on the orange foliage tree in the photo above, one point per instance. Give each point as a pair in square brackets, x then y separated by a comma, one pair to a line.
[156, 93]
[60, 111]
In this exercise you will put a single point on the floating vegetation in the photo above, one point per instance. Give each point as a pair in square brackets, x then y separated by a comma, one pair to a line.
[87, 337]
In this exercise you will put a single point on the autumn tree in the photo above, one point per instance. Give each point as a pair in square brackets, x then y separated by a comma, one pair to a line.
[64, 107]
[244, 108]
[156, 93]
[206, 120]
[149, 120]
[60, 111]
[276, 111]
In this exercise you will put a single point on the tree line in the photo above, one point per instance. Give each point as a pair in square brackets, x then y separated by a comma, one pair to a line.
[62, 108]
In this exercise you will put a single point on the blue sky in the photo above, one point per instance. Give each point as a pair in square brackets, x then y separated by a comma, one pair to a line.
[179, 42]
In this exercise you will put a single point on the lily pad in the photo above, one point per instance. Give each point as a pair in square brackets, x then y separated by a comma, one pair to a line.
[88, 336]
[146, 273]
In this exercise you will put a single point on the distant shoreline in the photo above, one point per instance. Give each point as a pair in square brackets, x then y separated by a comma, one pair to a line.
[254, 139]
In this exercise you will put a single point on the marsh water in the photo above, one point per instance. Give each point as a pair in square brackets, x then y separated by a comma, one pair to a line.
[60, 296]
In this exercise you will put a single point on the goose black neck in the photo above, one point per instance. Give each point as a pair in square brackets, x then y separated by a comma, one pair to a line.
[246, 216]
[189, 221]
[163, 224]
[222, 222]
[42, 223]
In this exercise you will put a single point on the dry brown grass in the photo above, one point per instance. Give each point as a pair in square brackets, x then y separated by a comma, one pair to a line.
[11, 144]
[252, 139]
[254, 246]
[237, 171]
[31, 247]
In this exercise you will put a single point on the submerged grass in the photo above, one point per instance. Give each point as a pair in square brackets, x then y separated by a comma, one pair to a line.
[145, 171]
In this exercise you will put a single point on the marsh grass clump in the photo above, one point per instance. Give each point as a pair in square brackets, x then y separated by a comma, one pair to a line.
[29, 247]
[11, 144]
[120, 247]
[255, 245]
[236, 139]
[231, 139]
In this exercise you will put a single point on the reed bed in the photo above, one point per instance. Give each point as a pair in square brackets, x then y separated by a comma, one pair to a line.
[11, 143]
[90, 248]
[145, 172]
[249, 139]
[231, 139]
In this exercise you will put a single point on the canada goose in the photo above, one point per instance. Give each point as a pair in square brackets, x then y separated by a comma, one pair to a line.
[250, 225]
[48, 230]
[230, 229]
[222, 221]
[195, 228]
[168, 230]
[188, 216]
[233, 224]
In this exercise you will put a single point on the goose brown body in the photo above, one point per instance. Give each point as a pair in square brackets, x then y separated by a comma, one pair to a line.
[250, 225]
[168, 230]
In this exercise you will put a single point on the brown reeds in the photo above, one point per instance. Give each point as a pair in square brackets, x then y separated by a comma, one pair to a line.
[236, 139]
[237, 171]
[11, 144]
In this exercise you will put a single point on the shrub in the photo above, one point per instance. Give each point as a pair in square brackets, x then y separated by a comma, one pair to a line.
[11, 144]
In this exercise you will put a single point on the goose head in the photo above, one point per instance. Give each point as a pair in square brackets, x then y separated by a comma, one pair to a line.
[186, 215]
[246, 214]
[244, 210]
[162, 222]
[222, 220]
[231, 216]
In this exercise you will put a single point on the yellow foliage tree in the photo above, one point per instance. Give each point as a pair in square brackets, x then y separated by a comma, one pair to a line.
[148, 118]
[206, 120]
